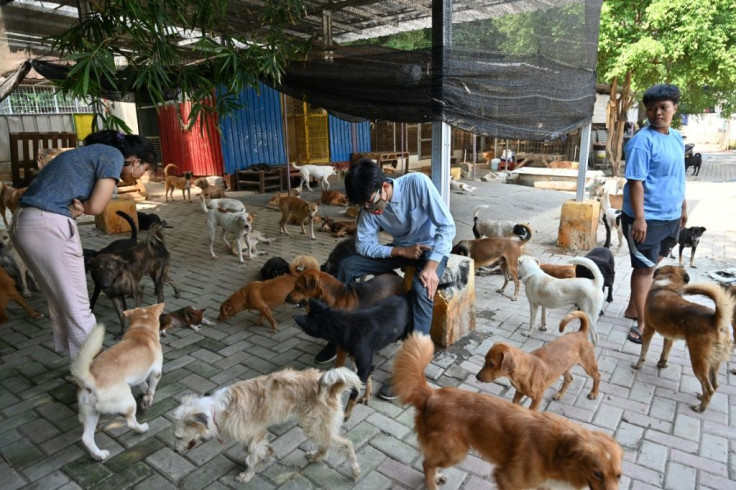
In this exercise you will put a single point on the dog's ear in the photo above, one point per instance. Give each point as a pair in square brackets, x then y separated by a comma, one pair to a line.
[199, 418]
[508, 363]
[310, 281]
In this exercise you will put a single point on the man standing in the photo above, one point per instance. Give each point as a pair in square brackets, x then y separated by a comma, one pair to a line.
[412, 211]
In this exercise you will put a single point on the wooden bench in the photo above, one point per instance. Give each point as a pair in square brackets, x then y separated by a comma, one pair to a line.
[262, 180]
[382, 157]
[25, 149]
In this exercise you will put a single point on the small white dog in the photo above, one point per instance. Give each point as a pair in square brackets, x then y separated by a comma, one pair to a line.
[7, 244]
[245, 410]
[549, 292]
[104, 380]
[230, 215]
[256, 237]
[499, 228]
[612, 219]
[319, 172]
[461, 186]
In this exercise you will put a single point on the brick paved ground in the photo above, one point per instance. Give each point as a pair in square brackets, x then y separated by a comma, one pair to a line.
[667, 445]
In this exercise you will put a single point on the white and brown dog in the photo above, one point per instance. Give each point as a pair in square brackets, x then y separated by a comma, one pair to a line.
[208, 190]
[104, 380]
[319, 172]
[499, 228]
[245, 410]
[549, 292]
[172, 182]
[230, 215]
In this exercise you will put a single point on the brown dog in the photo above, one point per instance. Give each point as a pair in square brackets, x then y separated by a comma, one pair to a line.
[495, 252]
[209, 191]
[175, 182]
[339, 228]
[706, 332]
[261, 296]
[299, 209]
[183, 317]
[352, 212]
[559, 271]
[8, 291]
[9, 199]
[343, 296]
[527, 448]
[532, 373]
[274, 201]
[334, 198]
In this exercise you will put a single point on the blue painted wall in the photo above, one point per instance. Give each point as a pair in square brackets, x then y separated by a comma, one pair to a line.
[342, 143]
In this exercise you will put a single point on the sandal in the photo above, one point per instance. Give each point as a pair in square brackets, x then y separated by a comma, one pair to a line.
[634, 335]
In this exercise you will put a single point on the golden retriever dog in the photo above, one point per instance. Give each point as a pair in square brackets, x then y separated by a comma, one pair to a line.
[9, 199]
[209, 191]
[526, 447]
[105, 378]
[245, 410]
[545, 291]
[8, 292]
[300, 210]
[532, 373]
[706, 332]
[172, 182]
[274, 201]
[495, 252]
[334, 198]
[261, 296]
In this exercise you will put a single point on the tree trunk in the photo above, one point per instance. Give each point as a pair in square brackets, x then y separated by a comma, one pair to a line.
[618, 106]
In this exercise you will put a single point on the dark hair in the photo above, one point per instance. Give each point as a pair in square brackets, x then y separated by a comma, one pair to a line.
[662, 92]
[128, 144]
[363, 179]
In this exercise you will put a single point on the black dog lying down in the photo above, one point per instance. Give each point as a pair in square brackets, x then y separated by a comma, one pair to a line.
[360, 333]
[603, 258]
[119, 275]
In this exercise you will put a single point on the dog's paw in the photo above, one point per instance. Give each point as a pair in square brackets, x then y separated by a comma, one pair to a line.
[440, 479]
[146, 402]
[525, 333]
[141, 427]
[636, 365]
[100, 455]
[244, 477]
[27, 294]
[698, 408]
[543, 328]
[592, 396]
[37, 315]
[195, 328]
[662, 364]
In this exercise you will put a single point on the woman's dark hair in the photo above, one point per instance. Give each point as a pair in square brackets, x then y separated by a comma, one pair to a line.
[662, 92]
[128, 144]
[363, 179]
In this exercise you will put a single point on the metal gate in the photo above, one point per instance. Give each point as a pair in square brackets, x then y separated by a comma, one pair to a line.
[306, 131]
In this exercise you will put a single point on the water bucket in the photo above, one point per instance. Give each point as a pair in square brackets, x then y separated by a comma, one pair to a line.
[600, 156]
[494, 163]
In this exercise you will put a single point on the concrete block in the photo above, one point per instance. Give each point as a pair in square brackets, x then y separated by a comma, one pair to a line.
[110, 223]
[579, 225]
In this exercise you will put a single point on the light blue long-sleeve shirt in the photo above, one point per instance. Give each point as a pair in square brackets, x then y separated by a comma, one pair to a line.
[416, 214]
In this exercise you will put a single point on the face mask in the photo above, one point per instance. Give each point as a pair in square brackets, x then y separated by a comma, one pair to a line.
[378, 207]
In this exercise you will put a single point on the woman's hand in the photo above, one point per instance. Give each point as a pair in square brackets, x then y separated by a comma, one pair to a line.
[76, 208]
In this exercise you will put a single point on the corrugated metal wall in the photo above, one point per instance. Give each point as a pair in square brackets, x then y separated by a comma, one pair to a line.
[195, 151]
[255, 133]
[348, 137]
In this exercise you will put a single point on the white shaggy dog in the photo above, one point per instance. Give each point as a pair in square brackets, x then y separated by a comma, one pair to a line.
[104, 380]
[230, 215]
[461, 186]
[499, 228]
[319, 172]
[549, 292]
[245, 410]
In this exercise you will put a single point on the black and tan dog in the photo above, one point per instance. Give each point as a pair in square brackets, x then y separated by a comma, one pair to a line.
[116, 246]
[176, 182]
[339, 228]
[689, 238]
[706, 332]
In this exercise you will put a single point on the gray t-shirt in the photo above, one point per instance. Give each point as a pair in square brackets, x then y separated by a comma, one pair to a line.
[70, 175]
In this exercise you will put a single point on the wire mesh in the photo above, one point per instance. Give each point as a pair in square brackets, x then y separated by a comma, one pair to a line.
[39, 99]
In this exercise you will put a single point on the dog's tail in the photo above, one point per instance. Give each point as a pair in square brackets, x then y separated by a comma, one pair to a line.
[302, 263]
[590, 265]
[477, 210]
[523, 231]
[295, 166]
[335, 381]
[584, 322]
[131, 223]
[409, 381]
[167, 167]
[81, 363]
[608, 230]
[724, 309]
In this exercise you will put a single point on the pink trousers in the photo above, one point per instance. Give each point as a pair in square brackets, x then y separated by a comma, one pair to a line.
[49, 244]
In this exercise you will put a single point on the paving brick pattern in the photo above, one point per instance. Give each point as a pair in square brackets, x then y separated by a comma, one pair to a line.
[666, 444]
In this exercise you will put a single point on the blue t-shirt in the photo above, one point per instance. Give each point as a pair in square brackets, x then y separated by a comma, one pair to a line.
[72, 174]
[659, 161]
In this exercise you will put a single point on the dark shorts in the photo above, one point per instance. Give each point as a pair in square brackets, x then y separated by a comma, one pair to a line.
[661, 237]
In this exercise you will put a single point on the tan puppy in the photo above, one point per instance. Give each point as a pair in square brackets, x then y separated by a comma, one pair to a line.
[559, 271]
[527, 448]
[245, 410]
[334, 198]
[209, 191]
[531, 374]
[8, 292]
[261, 296]
[172, 182]
[104, 380]
[706, 332]
[495, 252]
[274, 201]
[299, 209]
[546, 291]
[9, 199]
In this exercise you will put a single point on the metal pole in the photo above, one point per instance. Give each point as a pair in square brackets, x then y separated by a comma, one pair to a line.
[583, 165]
[441, 38]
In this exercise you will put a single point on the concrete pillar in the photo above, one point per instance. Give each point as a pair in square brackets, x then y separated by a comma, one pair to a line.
[579, 225]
